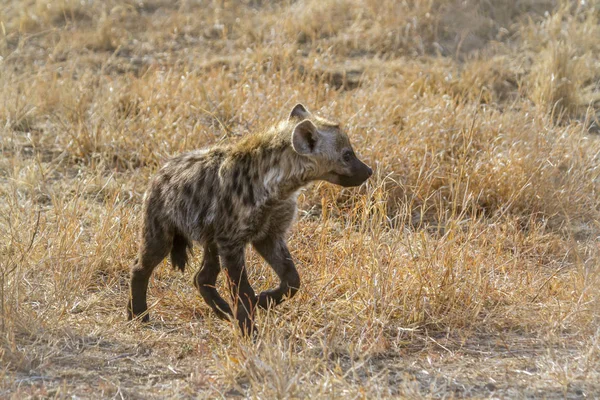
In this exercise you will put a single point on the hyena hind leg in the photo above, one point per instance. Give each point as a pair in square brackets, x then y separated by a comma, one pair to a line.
[206, 279]
[155, 246]
[243, 296]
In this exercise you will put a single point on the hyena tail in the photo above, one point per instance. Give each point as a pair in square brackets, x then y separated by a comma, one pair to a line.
[179, 252]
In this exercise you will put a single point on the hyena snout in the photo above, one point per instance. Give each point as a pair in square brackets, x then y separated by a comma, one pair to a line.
[357, 173]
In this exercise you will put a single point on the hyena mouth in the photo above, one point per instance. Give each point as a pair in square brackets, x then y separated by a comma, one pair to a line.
[356, 179]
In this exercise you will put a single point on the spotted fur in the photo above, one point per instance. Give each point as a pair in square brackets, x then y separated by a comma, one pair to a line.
[228, 196]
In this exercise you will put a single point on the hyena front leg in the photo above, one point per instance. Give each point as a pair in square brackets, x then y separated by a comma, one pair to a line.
[275, 252]
[244, 298]
[156, 244]
[206, 278]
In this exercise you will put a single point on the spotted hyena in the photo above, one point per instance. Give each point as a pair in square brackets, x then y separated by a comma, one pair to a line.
[227, 196]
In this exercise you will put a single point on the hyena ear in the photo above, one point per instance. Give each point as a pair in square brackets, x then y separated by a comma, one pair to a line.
[305, 137]
[300, 112]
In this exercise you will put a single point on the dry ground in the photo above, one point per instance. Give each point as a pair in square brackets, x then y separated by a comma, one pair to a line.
[468, 266]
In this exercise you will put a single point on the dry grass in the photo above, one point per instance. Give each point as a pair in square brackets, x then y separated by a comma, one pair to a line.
[467, 267]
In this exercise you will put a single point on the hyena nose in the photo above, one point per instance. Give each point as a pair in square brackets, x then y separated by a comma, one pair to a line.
[369, 171]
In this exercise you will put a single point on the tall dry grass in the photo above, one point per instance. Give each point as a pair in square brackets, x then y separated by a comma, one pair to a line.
[466, 267]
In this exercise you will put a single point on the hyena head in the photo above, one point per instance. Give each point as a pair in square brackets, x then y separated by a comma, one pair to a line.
[329, 147]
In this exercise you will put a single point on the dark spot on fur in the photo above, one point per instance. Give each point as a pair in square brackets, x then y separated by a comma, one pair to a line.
[217, 155]
[226, 205]
[243, 162]
[199, 184]
[239, 189]
[188, 191]
[166, 178]
[275, 160]
[236, 177]
[197, 202]
[249, 198]
[191, 162]
[156, 223]
[183, 203]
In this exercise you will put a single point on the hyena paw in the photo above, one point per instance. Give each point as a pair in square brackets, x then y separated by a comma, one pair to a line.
[266, 300]
[131, 315]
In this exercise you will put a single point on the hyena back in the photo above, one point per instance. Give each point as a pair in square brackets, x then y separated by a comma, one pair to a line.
[228, 196]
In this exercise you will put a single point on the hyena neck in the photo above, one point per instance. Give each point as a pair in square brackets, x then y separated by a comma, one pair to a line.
[275, 166]
[287, 173]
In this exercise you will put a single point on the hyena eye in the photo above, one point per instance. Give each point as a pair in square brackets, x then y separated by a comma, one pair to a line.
[347, 155]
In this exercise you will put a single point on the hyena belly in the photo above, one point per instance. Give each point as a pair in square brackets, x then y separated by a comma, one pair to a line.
[273, 219]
